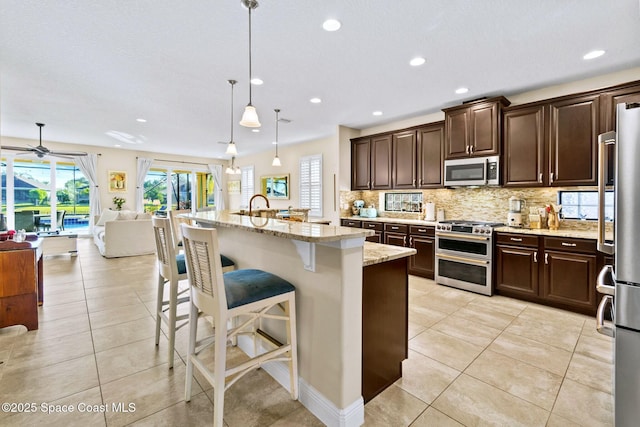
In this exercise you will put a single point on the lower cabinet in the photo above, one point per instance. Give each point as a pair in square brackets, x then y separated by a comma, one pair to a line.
[422, 239]
[560, 272]
[377, 228]
[395, 234]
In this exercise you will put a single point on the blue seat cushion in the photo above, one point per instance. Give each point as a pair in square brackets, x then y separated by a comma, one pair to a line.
[249, 285]
[182, 266]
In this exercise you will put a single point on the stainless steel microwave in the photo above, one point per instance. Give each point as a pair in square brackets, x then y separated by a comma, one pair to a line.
[472, 171]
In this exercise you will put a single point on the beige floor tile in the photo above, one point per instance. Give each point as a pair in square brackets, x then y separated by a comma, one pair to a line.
[105, 303]
[116, 315]
[467, 330]
[57, 298]
[434, 418]
[393, 407]
[595, 348]
[558, 421]
[591, 372]
[451, 351]
[48, 383]
[197, 412]
[562, 335]
[584, 405]
[129, 359]
[415, 329]
[553, 315]
[56, 328]
[51, 351]
[299, 417]
[589, 330]
[425, 378]
[473, 402]
[499, 303]
[56, 312]
[123, 333]
[545, 356]
[424, 316]
[151, 390]
[110, 291]
[520, 379]
[447, 300]
[52, 289]
[72, 411]
[422, 284]
[486, 315]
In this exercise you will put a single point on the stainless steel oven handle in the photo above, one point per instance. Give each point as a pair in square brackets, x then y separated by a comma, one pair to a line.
[603, 140]
[462, 237]
[601, 286]
[600, 326]
[462, 259]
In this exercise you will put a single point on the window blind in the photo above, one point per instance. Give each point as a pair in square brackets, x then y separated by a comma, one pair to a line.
[246, 186]
[311, 184]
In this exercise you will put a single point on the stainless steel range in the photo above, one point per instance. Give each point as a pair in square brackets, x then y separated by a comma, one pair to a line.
[464, 255]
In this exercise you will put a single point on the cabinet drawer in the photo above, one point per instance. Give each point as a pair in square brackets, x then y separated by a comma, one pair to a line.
[371, 225]
[351, 223]
[517, 239]
[570, 245]
[396, 228]
[422, 230]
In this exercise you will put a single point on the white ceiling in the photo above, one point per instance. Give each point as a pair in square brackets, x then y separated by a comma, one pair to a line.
[89, 67]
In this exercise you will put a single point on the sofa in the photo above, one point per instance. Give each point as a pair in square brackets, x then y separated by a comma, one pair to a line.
[124, 233]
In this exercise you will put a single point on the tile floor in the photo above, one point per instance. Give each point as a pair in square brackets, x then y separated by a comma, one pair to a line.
[473, 361]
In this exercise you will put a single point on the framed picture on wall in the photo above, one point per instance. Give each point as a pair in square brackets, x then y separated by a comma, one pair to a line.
[117, 181]
[275, 186]
[233, 187]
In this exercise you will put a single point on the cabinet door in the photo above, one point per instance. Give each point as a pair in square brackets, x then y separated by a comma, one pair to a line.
[524, 147]
[457, 133]
[485, 132]
[381, 162]
[517, 271]
[404, 159]
[376, 238]
[360, 164]
[422, 263]
[429, 155]
[569, 279]
[573, 139]
[395, 239]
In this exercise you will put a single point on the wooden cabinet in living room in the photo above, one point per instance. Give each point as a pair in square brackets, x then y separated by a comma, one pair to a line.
[430, 142]
[422, 239]
[474, 129]
[524, 146]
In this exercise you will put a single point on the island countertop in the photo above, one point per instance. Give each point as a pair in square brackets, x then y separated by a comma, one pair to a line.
[376, 253]
[294, 230]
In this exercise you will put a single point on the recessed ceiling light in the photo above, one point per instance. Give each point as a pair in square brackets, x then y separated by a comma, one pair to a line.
[417, 61]
[462, 90]
[315, 100]
[377, 113]
[255, 130]
[141, 120]
[593, 54]
[274, 142]
[256, 81]
[331, 25]
[117, 145]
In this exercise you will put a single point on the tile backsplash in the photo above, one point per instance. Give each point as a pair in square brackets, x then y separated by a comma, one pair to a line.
[483, 204]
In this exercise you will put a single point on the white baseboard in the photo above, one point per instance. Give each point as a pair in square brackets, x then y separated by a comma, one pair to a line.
[325, 410]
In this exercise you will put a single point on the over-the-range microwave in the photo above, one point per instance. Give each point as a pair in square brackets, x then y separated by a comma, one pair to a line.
[472, 171]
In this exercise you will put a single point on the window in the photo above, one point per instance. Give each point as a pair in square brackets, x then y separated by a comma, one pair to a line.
[155, 190]
[584, 204]
[181, 190]
[403, 202]
[246, 185]
[311, 184]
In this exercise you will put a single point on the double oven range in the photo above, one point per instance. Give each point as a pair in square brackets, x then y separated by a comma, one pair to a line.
[464, 255]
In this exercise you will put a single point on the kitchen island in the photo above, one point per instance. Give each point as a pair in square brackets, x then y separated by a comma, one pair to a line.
[325, 264]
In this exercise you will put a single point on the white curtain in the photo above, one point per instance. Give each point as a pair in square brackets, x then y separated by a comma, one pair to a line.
[89, 166]
[216, 172]
[143, 168]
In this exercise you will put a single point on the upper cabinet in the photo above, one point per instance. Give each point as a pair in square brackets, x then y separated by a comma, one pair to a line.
[474, 129]
[381, 162]
[404, 159]
[360, 164]
[524, 146]
[430, 140]
[573, 139]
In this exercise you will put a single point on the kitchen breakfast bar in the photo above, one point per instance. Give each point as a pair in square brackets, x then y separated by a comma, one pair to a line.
[340, 280]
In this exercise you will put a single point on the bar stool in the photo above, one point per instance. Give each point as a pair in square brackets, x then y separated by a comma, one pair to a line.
[245, 296]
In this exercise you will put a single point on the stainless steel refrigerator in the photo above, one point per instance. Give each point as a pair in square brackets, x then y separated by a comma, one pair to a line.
[621, 282]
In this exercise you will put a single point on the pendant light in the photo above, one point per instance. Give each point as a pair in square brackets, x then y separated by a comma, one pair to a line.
[250, 116]
[233, 169]
[276, 159]
[231, 148]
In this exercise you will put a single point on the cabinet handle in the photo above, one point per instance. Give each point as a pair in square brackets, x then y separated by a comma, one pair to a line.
[422, 230]
[546, 258]
[421, 182]
[571, 245]
[371, 225]
[535, 257]
[551, 178]
[540, 178]
[414, 182]
[411, 241]
[404, 240]
[394, 228]
[471, 148]
[515, 239]
[368, 183]
[467, 150]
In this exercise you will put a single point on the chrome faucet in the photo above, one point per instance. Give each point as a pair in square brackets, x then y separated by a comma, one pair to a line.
[253, 197]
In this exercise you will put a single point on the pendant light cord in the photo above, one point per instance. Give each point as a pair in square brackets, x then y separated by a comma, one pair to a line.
[277, 120]
[232, 82]
[250, 54]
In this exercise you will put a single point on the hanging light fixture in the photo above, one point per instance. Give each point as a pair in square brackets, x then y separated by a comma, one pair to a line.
[233, 169]
[250, 116]
[231, 148]
[276, 159]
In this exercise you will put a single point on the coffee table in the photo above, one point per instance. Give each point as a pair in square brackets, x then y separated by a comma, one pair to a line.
[59, 242]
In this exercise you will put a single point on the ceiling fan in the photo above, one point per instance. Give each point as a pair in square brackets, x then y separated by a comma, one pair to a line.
[42, 151]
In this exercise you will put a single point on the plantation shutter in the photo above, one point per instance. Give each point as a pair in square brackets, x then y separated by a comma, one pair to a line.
[246, 186]
[311, 184]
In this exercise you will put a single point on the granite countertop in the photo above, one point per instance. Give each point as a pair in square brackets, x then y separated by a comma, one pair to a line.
[562, 232]
[302, 231]
[395, 220]
[376, 253]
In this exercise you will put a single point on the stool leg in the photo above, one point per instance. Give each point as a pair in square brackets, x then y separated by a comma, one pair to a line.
[173, 308]
[219, 371]
[193, 333]
[159, 297]
[292, 338]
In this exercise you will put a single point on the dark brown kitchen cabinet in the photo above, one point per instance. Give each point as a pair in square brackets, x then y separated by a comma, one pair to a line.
[474, 129]
[351, 223]
[422, 239]
[430, 141]
[517, 268]
[573, 137]
[395, 234]
[381, 157]
[377, 228]
[404, 159]
[524, 146]
[569, 280]
[360, 164]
